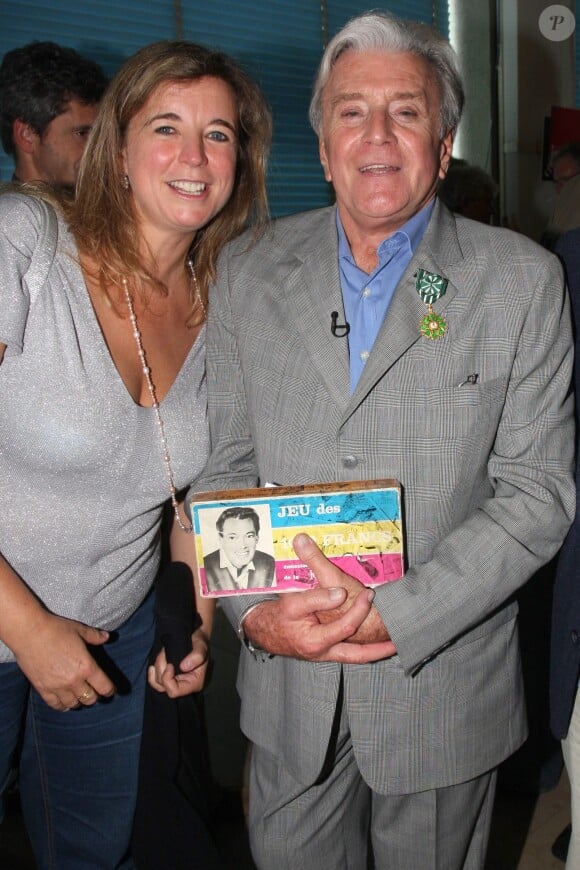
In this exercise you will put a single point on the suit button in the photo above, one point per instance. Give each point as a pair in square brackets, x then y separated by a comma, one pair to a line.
[350, 461]
[574, 635]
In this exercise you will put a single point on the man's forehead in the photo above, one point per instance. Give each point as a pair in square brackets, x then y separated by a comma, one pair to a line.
[238, 524]
[75, 108]
[402, 94]
[404, 74]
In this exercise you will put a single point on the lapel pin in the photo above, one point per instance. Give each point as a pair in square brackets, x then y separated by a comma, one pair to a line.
[430, 288]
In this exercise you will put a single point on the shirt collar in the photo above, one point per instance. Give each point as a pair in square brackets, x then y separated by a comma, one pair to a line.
[225, 563]
[412, 231]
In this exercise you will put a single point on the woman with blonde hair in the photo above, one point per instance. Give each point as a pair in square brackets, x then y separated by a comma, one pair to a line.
[102, 419]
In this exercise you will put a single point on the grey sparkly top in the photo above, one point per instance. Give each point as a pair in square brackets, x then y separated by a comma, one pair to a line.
[82, 477]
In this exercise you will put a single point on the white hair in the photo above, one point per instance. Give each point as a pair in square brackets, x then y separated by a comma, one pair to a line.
[382, 32]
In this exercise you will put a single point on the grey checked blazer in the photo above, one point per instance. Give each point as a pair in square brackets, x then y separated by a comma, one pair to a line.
[486, 469]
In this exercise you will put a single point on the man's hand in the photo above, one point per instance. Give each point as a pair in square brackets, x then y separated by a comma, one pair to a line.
[372, 630]
[292, 625]
[192, 669]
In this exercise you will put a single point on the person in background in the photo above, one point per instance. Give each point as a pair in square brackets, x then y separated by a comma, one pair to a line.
[49, 97]
[378, 717]
[103, 419]
[469, 191]
[565, 164]
[565, 647]
[565, 169]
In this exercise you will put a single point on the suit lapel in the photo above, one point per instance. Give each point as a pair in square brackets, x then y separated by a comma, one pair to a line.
[313, 293]
[438, 251]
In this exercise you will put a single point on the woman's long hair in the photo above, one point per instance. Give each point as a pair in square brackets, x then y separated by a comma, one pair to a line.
[102, 217]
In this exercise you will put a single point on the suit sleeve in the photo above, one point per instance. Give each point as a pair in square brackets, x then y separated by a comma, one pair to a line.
[498, 547]
[232, 463]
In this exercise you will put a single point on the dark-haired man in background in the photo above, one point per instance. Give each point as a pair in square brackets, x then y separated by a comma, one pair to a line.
[49, 96]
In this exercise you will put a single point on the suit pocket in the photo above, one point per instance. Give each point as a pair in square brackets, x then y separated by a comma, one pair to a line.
[461, 411]
[483, 663]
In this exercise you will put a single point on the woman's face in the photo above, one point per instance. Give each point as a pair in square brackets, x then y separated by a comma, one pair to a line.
[180, 155]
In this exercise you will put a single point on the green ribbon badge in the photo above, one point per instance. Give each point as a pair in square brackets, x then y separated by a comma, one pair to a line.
[430, 288]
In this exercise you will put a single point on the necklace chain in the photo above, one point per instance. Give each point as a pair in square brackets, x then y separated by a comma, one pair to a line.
[198, 297]
[150, 386]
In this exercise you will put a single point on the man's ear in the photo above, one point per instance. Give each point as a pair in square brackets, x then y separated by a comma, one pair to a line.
[324, 159]
[445, 152]
[24, 136]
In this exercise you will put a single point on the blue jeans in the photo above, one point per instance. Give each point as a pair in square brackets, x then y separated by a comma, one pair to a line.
[78, 770]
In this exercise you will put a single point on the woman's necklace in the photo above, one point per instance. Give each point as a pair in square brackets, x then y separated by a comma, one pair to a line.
[155, 404]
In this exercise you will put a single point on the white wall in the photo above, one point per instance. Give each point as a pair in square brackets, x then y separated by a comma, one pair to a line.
[544, 76]
[471, 37]
[533, 73]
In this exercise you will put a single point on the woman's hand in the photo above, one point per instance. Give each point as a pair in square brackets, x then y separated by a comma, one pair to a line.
[192, 669]
[56, 660]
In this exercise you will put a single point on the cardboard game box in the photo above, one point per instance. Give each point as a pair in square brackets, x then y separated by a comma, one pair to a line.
[243, 538]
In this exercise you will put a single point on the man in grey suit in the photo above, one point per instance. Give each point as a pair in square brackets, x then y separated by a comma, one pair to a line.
[385, 337]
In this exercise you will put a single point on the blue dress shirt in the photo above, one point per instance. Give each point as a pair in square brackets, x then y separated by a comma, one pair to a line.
[365, 297]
